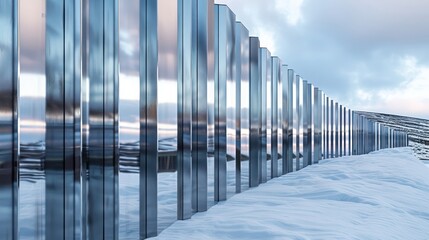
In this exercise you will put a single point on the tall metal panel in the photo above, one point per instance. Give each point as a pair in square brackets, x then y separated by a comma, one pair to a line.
[310, 123]
[327, 128]
[288, 77]
[254, 113]
[299, 121]
[224, 96]
[305, 123]
[242, 110]
[184, 100]
[129, 119]
[103, 120]
[202, 25]
[322, 124]
[62, 163]
[317, 119]
[280, 119]
[9, 93]
[341, 131]
[275, 80]
[332, 128]
[32, 114]
[350, 128]
[148, 117]
[336, 130]
[265, 78]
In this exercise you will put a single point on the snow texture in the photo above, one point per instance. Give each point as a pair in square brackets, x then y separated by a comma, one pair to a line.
[382, 195]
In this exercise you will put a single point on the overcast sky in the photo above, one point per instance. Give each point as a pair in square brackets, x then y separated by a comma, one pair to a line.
[368, 55]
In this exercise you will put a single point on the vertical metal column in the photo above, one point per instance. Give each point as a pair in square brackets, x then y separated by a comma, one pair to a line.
[327, 128]
[254, 112]
[288, 76]
[148, 118]
[299, 121]
[305, 126]
[62, 163]
[265, 76]
[350, 129]
[317, 118]
[224, 76]
[310, 123]
[184, 108]
[337, 133]
[103, 120]
[275, 79]
[332, 128]
[242, 109]
[202, 24]
[340, 143]
[9, 81]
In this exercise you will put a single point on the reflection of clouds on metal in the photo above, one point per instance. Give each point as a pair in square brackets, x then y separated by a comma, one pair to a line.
[162, 87]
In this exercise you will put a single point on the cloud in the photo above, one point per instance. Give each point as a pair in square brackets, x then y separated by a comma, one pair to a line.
[358, 52]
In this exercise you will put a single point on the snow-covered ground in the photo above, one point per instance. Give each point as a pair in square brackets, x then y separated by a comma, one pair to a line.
[383, 195]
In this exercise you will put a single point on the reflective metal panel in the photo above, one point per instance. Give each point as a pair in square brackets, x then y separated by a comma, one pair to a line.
[295, 121]
[287, 79]
[299, 121]
[242, 110]
[254, 112]
[9, 120]
[275, 74]
[265, 78]
[305, 126]
[350, 128]
[327, 128]
[129, 119]
[202, 21]
[174, 111]
[332, 128]
[148, 118]
[280, 119]
[224, 96]
[103, 120]
[340, 143]
[337, 132]
[317, 118]
[62, 163]
[32, 105]
[184, 97]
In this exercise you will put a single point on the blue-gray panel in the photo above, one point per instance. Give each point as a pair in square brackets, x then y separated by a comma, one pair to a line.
[275, 80]
[202, 28]
[9, 120]
[265, 78]
[148, 117]
[183, 104]
[299, 121]
[254, 112]
[62, 163]
[305, 125]
[224, 96]
[242, 105]
[287, 85]
[103, 120]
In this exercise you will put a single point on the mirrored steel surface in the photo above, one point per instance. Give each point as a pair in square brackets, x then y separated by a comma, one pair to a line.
[254, 113]
[317, 118]
[287, 126]
[276, 79]
[62, 163]
[148, 158]
[103, 120]
[305, 126]
[9, 93]
[265, 78]
[184, 104]
[202, 30]
[242, 106]
[299, 122]
[224, 96]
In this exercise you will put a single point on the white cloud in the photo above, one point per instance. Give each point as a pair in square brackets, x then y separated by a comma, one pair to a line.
[290, 10]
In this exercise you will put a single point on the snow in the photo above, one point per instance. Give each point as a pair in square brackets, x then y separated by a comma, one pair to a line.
[383, 195]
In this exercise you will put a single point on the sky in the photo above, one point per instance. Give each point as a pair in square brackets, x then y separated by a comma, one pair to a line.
[367, 55]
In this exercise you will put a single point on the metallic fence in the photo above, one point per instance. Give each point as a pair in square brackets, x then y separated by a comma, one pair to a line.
[119, 117]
